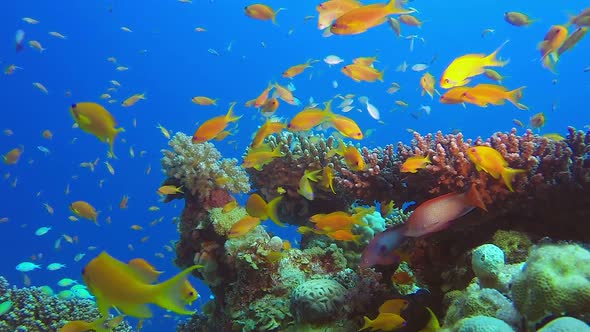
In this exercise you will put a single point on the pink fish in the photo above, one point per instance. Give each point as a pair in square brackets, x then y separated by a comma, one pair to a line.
[436, 214]
[18, 39]
[429, 217]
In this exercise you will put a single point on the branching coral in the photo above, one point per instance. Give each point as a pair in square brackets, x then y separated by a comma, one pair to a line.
[200, 168]
[34, 310]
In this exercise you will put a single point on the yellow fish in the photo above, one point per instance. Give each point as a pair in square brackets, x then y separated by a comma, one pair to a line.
[491, 161]
[460, 71]
[133, 99]
[115, 284]
[96, 120]
[414, 163]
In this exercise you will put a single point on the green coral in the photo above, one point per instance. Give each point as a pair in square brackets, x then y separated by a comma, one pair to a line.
[555, 279]
[264, 314]
[514, 244]
[200, 167]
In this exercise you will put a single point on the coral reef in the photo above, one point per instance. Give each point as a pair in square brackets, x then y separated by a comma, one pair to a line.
[259, 285]
[200, 168]
[555, 280]
[34, 310]
[318, 300]
[566, 324]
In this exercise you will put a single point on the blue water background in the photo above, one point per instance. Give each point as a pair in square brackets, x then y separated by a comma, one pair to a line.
[177, 66]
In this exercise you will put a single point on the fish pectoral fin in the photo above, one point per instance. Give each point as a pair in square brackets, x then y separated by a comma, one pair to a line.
[83, 120]
[135, 310]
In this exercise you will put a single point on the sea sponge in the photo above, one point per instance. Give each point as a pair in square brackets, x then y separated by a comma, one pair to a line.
[481, 324]
[566, 324]
[475, 301]
[200, 168]
[486, 261]
[514, 244]
[318, 300]
[555, 280]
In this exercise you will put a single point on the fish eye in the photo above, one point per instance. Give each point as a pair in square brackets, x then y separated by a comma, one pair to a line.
[191, 293]
[83, 271]
[447, 80]
[382, 249]
[74, 105]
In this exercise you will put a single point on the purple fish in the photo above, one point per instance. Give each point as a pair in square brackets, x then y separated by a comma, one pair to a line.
[19, 38]
[380, 251]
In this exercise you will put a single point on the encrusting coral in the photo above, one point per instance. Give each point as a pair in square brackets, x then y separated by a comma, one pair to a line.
[34, 310]
[555, 280]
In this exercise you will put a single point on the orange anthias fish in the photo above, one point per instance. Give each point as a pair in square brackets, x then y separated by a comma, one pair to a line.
[12, 156]
[346, 126]
[484, 94]
[285, 94]
[85, 210]
[243, 227]
[491, 161]
[338, 220]
[352, 157]
[262, 12]
[360, 72]
[549, 47]
[332, 9]
[261, 99]
[384, 322]
[96, 120]
[115, 284]
[414, 163]
[298, 69]
[215, 126]
[537, 121]
[258, 157]
[269, 107]
[460, 70]
[454, 95]
[310, 118]
[268, 128]
[361, 19]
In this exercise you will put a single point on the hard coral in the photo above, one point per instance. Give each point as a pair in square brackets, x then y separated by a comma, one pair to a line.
[200, 168]
[555, 280]
[34, 310]
[318, 300]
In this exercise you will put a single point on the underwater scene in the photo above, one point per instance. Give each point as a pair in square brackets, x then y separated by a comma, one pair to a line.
[345, 165]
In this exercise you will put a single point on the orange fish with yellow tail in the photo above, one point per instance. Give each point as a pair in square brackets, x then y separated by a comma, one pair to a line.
[361, 19]
[262, 12]
[484, 94]
[215, 126]
[333, 9]
[549, 47]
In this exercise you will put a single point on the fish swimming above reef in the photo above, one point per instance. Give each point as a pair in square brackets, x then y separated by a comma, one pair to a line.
[432, 216]
[116, 284]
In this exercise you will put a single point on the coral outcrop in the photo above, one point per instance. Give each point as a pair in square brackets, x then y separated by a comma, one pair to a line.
[34, 310]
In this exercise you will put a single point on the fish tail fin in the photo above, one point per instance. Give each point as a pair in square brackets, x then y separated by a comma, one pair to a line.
[475, 199]
[515, 95]
[274, 16]
[111, 140]
[169, 294]
[368, 323]
[277, 152]
[230, 116]
[272, 210]
[99, 324]
[549, 62]
[393, 8]
[492, 60]
[312, 175]
[380, 76]
[328, 108]
[508, 174]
